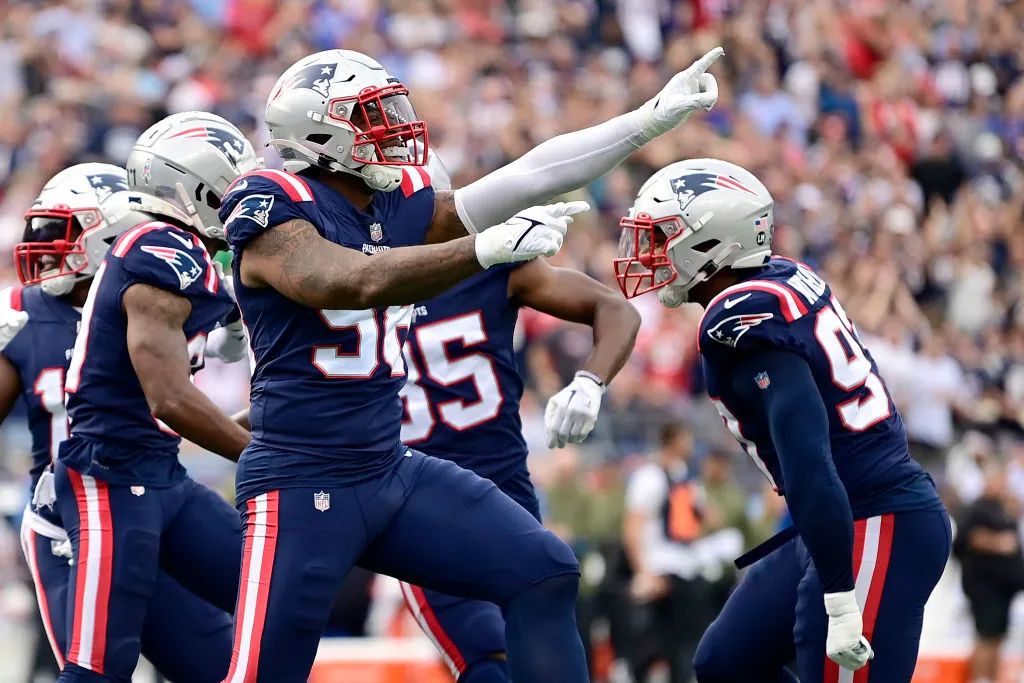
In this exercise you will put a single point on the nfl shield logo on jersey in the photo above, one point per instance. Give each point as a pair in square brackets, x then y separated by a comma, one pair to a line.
[138, 490]
[376, 232]
[322, 501]
[762, 381]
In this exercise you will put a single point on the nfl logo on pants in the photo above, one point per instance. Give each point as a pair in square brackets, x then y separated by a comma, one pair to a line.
[322, 501]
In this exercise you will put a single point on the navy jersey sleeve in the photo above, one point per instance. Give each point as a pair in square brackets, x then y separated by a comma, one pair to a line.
[258, 201]
[753, 316]
[170, 259]
[780, 383]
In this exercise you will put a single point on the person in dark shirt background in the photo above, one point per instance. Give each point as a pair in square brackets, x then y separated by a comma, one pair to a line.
[988, 546]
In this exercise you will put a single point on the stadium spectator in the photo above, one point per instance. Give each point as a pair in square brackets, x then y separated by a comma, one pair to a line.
[676, 546]
[988, 546]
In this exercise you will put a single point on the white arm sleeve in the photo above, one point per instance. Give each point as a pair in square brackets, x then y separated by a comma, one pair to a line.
[561, 164]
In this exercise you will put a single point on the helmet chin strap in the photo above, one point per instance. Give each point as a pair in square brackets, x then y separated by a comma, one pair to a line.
[673, 296]
[380, 177]
[193, 216]
[58, 286]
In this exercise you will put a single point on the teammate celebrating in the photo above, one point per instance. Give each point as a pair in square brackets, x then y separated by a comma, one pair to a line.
[326, 482]
[127, 503]
[462, 404]
[795, 385]
[68, 231]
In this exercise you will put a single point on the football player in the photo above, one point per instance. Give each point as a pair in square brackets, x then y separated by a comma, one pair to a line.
[462, 397]
[329, 255]
[68, 231]
[795, 385]
[128, 505]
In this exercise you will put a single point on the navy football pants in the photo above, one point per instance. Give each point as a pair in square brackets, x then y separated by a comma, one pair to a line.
[118, 599]
[426, 521]
[777, 612]
[467, 632]
[187, 639]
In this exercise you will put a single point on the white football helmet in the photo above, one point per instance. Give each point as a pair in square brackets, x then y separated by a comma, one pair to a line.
[182, 165]
[691, 219]
[71, 225]
[342, 111]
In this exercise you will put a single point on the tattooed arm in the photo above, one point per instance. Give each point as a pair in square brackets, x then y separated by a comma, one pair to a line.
[159, 354]
[296, 261]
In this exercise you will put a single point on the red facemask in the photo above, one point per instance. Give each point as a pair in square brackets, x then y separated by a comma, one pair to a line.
[387, 130]
[643, 250]
[51, 237]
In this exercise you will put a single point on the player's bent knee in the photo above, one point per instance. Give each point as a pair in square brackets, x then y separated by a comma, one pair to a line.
[711, 664]
[556, 557]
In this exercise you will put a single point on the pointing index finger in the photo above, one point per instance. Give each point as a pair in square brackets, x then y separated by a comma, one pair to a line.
[705, 62]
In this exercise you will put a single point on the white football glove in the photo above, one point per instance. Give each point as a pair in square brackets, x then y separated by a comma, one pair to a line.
[571, 414]
[687, 92]
[11, 322]
[536, 231]
[228, 343]
[846, 644]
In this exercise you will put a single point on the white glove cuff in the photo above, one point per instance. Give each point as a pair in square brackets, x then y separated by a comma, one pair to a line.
[838, 604]
[584, 374]
[485, 249]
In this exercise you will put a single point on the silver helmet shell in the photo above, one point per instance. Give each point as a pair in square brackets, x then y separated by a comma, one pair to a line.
[342, 111]
[691, 219]
[181, 166]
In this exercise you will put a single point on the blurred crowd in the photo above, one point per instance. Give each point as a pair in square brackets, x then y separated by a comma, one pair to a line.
[891, 136]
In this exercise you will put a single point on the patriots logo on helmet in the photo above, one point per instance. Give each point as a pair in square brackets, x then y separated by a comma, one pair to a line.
[315, 77]
[105, 184]
[225, 140]
[255, 207]
[690, 186]
[729, 330]
[186, 268]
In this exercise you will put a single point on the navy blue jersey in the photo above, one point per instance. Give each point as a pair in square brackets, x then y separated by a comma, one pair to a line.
[325, 384]
[463, 390]
[40, 353]
[106, 403]
[787, 306]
